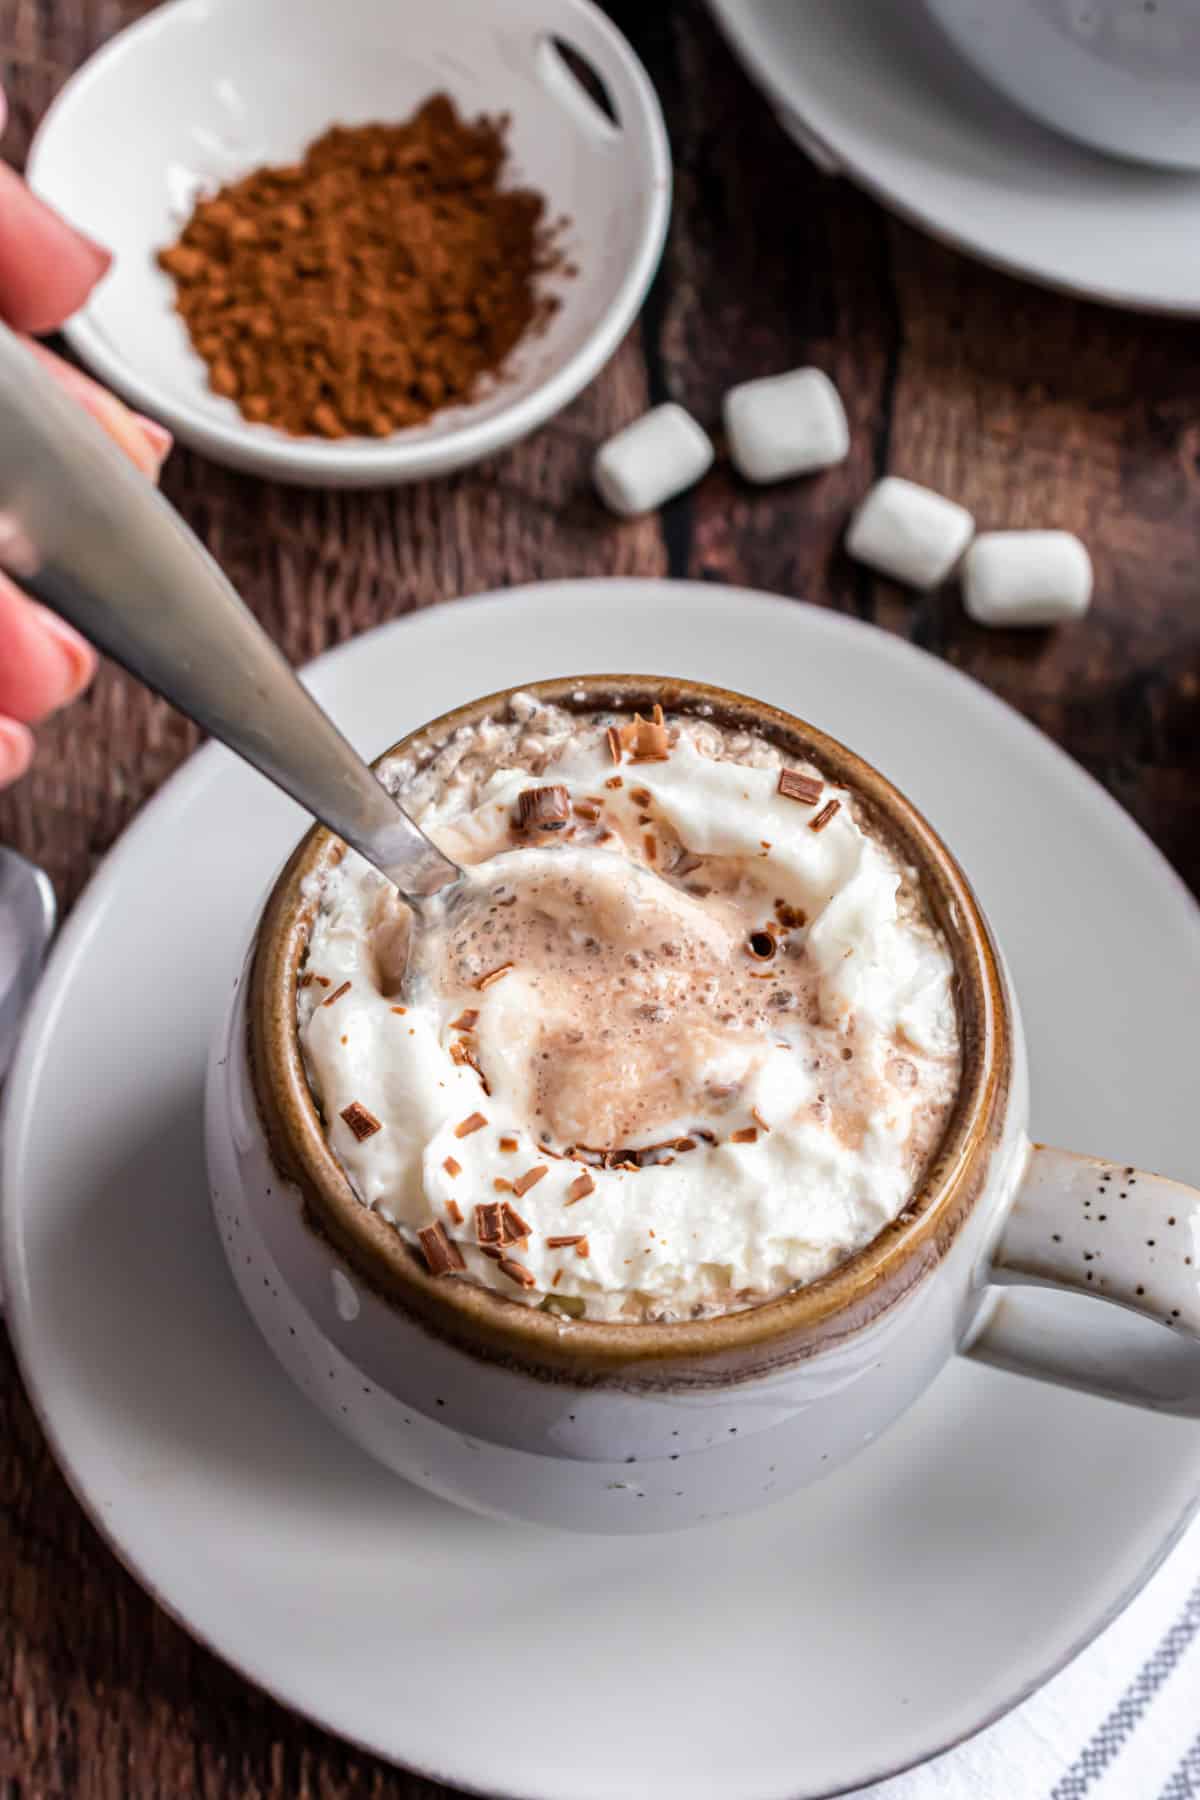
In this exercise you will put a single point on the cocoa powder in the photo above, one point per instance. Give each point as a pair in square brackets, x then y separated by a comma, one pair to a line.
[381, 278]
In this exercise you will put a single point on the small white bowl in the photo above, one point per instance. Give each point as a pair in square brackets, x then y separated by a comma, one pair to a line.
[201, 91]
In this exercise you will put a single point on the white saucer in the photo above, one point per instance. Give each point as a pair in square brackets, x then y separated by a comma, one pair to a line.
[860, 1627]
[871, 91]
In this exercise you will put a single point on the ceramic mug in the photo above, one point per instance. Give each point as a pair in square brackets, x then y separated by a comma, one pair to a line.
[1120, 75]
[646, 1427]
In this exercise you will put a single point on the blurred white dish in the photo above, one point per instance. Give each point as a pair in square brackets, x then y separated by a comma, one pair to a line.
[201, 91]
[1121, 75]
[872, 91]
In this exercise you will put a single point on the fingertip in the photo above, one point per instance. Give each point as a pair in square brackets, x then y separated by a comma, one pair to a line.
[16, 750]
[78, 656]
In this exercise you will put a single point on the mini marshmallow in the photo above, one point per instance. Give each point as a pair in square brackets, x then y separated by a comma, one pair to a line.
[909, 532]
[651, 460]
[1026, 578]
[786, 425]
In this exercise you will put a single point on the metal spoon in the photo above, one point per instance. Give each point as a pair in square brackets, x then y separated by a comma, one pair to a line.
[27, 913]
[87, 535]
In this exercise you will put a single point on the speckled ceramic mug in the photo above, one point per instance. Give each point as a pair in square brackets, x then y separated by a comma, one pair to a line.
[646, 1427]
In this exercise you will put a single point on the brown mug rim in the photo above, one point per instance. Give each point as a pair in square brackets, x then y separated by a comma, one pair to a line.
[483, 1320]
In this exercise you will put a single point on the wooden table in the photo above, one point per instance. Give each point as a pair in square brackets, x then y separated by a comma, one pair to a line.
[1030, 408]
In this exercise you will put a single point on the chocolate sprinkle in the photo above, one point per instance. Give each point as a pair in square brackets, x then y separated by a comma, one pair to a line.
[493, 975]
[489, 1223]
[529, 1179]
[362, 1123]
[515, 1227]
[824, 816]
[441, 1252]
[543, 809]
[336, 994]
[795, 786]
[564, 1243]
[517, 1272]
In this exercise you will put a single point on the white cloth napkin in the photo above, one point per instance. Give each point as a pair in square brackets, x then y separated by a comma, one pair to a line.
[1122, 1722]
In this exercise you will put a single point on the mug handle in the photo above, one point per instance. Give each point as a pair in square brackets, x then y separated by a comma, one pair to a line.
[1116, 1234]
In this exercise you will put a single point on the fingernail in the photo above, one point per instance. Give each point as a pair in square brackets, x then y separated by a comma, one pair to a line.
[102, 257]
[16, 751]
[78, 655]
[157, 436]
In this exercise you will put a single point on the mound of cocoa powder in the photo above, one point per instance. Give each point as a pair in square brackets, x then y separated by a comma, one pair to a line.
[371, 284]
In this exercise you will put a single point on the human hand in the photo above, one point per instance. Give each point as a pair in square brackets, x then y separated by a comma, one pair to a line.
[47, 270]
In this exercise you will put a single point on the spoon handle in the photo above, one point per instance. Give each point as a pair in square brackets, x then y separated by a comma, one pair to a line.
[87, 535]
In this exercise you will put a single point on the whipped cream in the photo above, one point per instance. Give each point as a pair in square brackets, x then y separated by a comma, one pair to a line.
[685, 1053]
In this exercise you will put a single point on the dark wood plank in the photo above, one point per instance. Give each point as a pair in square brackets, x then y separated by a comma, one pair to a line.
[1031, 408]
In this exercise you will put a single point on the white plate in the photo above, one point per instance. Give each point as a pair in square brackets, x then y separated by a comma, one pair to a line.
[859, 1627]
[869, 89]
[201, 91]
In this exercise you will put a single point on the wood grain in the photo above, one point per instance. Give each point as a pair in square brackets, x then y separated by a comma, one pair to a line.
[1028, 407]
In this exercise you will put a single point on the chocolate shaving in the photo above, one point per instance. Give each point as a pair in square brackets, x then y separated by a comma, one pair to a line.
[501, 1186]
[489, 1223]
[580, 1188]
[336, 994]
[650, 846]
[641, 796]
[441, 1252]
[758, 1119]
[466, 1021]
[747, 1135]
[458, 1053]
[557, 1278]
[684, 1143]
[473, 1122]
[651, 743]
[362, 1123]
[795, 786]
[307, 979]
[529, 1179]
[517, 1272]
[455, 1211]
[614, 781]
[400, 1009]
[493, 975]
[582, 1248]
[472, 1061]
[543, 809]
[515, 1227]
[822, 819]
[508, 1143]
[451, 1167]
[585, 810]
[614, 743]
[564, 1243]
